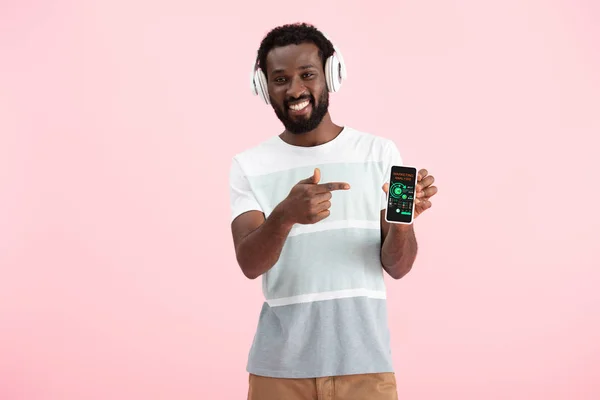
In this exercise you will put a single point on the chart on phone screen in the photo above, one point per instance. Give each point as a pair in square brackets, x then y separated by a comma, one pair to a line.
[401, 198]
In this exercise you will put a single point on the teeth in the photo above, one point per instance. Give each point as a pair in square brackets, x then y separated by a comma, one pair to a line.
[300, 106]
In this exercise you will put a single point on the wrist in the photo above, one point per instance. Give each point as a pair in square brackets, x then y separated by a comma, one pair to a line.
[400, 232]
[401, 228]
[281, 217]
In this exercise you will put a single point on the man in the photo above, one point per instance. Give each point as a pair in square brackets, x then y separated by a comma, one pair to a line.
[307, 217]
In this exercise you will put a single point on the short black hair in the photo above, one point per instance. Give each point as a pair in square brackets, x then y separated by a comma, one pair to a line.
[296, 33]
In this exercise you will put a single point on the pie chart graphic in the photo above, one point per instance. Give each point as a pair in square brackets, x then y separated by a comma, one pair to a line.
[397, 189]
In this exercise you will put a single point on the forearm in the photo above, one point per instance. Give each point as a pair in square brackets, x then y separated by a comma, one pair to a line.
[399, 250]
[260, 250]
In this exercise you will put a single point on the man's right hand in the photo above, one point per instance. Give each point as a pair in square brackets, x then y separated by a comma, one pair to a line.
[308, 201]
[259, 241]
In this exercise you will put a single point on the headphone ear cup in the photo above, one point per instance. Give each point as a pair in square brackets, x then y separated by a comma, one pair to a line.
[333, 73]
[253, 87]
[342, 68]
[261, 85]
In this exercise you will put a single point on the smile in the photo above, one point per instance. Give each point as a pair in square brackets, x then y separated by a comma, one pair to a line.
[299, 106]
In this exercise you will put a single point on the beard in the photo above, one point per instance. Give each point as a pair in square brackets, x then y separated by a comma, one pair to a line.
[304, 124]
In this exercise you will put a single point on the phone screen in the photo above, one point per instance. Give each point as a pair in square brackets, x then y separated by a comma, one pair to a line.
[401, 195]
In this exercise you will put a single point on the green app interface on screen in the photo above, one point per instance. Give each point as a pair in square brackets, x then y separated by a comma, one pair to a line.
[401, 196]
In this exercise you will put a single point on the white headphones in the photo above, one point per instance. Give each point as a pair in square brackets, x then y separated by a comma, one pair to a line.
[335, 73]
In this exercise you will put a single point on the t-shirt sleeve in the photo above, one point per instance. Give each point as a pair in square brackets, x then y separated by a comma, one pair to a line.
[242, 198]
[391, 156]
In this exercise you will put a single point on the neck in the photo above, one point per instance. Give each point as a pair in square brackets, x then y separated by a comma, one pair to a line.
[325, 132]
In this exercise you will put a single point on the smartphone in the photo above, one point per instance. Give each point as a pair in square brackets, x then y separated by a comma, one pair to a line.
[401, 195]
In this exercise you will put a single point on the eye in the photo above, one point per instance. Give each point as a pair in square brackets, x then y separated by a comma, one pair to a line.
[279, 80]
[308, 75]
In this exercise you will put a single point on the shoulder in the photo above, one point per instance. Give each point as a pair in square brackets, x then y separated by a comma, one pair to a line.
[253, 157]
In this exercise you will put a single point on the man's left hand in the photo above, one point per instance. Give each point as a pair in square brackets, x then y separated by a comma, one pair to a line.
[425, 191]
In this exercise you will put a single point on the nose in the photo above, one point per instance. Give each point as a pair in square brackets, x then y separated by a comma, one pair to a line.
[296, 87]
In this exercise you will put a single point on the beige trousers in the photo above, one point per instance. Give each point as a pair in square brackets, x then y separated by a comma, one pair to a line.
[380, 386]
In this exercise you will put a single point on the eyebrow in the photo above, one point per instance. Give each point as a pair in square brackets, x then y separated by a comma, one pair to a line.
[303, 67]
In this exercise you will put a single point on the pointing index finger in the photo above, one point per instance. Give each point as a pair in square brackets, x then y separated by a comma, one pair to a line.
[331, 186]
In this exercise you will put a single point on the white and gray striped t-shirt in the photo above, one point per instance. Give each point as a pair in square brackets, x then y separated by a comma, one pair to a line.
[325, 300]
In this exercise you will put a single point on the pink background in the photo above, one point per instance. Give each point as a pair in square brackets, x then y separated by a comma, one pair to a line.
[118, 121]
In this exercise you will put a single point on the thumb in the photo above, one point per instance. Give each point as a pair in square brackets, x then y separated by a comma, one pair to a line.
[315, 178]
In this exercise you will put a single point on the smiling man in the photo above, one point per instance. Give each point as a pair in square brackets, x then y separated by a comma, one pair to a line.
[308, 217]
